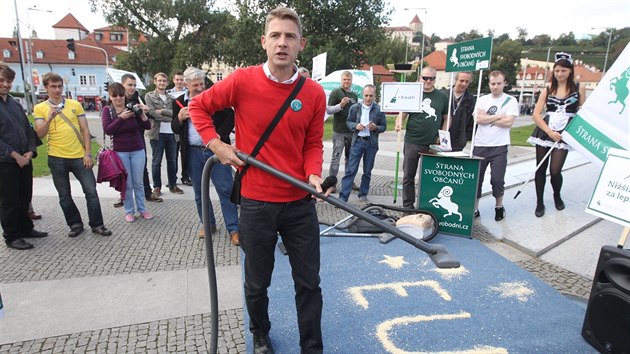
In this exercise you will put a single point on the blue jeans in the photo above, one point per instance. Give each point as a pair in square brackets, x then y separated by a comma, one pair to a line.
[298, 226]
[360, 149]
[167, 143]
[134, 165]
[222, 179]
[60, 169]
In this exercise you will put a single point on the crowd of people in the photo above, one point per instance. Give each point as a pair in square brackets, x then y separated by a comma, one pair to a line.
[288, 132]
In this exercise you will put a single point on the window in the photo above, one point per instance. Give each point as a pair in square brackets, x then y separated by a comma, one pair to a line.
[116, 37]
[219, 76]
[98, 37]
[92, 80]
[39, 54]
[528, 77]
[71, 55]
[82, 80]
[6, 53]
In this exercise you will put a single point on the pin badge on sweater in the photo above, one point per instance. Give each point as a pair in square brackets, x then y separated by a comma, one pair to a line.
[296, 105]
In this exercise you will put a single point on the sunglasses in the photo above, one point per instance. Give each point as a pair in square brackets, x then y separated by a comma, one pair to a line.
[428, 78]
[113, 95]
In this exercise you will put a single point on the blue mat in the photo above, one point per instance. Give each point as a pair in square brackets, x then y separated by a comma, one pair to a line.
[381, 298]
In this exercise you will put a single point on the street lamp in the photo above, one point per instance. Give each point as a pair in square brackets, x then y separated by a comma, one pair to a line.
[422, 35]
[30, 50]
[19, 48]
[610, 32]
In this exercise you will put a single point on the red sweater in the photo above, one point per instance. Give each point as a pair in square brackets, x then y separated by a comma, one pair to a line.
[294, 147]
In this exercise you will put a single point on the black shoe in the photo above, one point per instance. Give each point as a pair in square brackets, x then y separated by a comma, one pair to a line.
[499, 213]
[19, 244]
[187, 182]
[35, 234]
[152, 198]
[540, 210]
[75, 231]
[119, 203]
[262, 344]
[477, 214]
[101, 230]
[559, 203]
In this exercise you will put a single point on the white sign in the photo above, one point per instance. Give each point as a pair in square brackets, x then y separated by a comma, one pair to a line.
[319, 67]
[116, 75]
[401, 96]
[611, 197]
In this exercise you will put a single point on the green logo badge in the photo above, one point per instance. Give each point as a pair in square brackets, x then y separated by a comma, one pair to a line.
[296, 105]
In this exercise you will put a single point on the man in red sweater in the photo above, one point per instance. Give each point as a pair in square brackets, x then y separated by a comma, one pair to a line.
[268, 204]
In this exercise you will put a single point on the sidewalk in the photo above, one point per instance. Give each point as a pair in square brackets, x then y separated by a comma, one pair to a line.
[145, 288]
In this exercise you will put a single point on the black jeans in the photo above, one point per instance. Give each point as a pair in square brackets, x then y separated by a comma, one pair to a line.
[16, 191]
[259, 225]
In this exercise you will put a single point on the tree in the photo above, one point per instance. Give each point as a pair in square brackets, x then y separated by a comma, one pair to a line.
[565, 40]
[180, 33]
[467, 36]
[541, 40]
[522, 34]
[342, 28]
[387, 51]
[506, 57]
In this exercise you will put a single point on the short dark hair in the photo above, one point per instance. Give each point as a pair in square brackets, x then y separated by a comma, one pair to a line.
[51, 77]
[127, 77]
[7, 72]
[116, 88]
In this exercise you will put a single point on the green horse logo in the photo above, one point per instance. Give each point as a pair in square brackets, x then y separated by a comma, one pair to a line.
[619, 84]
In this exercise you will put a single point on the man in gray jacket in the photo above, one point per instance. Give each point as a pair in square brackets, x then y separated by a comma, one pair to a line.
[366, 121]
[161, 135]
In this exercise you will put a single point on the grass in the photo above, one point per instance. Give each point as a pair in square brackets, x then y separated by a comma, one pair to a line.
[519, 135]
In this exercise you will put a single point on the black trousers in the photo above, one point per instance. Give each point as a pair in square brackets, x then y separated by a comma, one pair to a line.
[16, 191]
[259, 225]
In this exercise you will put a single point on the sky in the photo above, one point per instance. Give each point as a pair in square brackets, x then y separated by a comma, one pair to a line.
[444, 18]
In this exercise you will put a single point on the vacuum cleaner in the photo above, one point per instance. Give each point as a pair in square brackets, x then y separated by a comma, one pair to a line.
[437, 253]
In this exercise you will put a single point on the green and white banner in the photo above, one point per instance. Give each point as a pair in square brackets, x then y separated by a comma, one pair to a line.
[469, 56]
[360, 78]
[611, 197]
[604, 120]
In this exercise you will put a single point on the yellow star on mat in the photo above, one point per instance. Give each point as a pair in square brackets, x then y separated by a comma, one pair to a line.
[396, 262]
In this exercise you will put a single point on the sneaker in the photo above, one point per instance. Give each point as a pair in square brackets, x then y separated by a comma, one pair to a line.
[364, 200]
[176, 190]
[119, 203]
[130, 218]
[146, 215]
[477, 214]
[153, 198]
[101, 230]
[499, 213]
[355, 187]
[187, 182]
[75, 230]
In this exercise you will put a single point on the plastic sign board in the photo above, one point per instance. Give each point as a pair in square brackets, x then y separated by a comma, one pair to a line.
[401, 96]
[469, 56]
[319, 67]
[604, 120]
[611, 197]
[448, 189]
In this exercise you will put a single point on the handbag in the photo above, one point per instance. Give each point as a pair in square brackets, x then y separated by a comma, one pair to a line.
[111, 168]
[235, 194]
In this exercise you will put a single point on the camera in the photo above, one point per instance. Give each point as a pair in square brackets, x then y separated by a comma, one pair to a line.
[136, 110]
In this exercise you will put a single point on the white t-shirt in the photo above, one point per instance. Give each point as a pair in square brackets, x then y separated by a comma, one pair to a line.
[490, 134]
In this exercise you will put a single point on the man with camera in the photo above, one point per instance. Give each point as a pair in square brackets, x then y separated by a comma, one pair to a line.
[162, 138]
[69, 151]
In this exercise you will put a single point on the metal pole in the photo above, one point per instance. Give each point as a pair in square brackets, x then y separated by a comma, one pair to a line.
[607, 50]
[29, 106]
[101, 49]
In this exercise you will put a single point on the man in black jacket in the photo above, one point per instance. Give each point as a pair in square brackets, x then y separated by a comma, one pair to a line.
[462, 109]
[194, 152]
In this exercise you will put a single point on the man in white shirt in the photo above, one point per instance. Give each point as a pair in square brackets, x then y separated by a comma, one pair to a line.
[496, 113]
